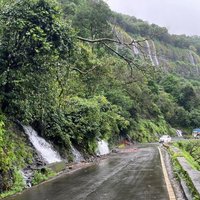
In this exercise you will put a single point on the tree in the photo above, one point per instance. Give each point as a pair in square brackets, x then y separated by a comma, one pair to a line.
[92, 19]
[187, 97]
[35, 44]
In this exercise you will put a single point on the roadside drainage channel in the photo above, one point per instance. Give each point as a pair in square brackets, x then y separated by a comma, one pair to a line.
[193, 175]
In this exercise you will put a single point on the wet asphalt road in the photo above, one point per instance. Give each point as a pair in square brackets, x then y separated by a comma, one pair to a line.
[123, 176]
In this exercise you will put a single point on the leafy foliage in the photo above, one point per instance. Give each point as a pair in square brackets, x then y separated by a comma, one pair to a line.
[41, 176]
[14, 154]
[86, 120]
[78, 92]
[33, 45]
[92, 19]
[193, 149]
[18, 184]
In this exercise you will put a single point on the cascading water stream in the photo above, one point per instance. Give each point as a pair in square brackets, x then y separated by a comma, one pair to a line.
[155, 54]
[149, 52]
[193, 61]
[191, 57]
[44, 148]
[135, 49]
[77, 155]
[103, 148]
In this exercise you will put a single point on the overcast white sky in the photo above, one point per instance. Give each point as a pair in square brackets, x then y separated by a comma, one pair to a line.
[178, 16]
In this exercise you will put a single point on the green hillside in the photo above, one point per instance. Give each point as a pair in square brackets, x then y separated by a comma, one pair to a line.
[78, 72]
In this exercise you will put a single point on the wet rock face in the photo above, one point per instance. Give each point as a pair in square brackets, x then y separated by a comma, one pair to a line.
[28, 171]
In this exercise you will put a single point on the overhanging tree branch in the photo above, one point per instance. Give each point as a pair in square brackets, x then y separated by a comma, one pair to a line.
[83, 72]
[99, 40]
[131, 62]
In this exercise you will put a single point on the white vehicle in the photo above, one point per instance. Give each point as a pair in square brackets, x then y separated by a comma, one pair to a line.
[165, 139]
[196, 133]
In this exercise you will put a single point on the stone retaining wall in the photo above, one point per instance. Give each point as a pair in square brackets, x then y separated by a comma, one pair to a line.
[193, 174]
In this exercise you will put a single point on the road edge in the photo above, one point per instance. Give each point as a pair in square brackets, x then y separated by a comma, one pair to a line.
[167, 181]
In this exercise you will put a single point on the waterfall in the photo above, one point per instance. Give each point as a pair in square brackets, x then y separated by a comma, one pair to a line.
[191, 58]
[155, 54]
[149, 52]
[102, 147]
[77, 155]
[135, 48]
[44, 148]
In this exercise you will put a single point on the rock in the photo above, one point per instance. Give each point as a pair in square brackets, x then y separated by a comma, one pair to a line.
[115, 150]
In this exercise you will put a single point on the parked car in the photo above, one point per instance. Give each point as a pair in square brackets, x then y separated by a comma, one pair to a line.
[165, 139]
[196, 133]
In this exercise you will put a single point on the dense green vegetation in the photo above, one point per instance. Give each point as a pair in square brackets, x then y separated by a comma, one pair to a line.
[40, 176]
[191, 149]
[74, 90]
[14, 155]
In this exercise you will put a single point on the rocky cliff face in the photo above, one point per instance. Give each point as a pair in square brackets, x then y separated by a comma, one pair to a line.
[168, 58]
